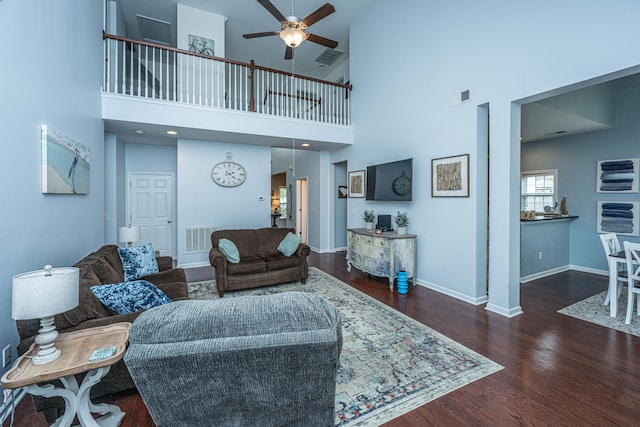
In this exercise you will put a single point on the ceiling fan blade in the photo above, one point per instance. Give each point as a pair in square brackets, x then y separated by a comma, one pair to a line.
[273, 10]
[288, 53]
[265, 34]
[322, 40]
[321, 13]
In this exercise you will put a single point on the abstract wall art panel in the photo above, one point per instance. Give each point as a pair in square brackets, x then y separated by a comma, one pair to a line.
[450, 176]
[65, 163]
[618, 176]
[619, 218]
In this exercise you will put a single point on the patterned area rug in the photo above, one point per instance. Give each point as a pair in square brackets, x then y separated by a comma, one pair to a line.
[390, 363]
[593, 310]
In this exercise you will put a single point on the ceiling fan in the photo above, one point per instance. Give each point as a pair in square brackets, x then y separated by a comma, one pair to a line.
[293, 28]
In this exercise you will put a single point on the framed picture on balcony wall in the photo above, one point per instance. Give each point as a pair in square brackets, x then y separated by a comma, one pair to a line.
[65, 163]
[356, 183]
[201, 45]
[450, 176]
[618, 176]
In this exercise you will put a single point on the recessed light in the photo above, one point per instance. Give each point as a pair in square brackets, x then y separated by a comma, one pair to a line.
[172, 132]
[139, 131]
[306, 144]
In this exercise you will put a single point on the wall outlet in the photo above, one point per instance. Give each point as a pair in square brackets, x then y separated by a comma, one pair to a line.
[540, 255]
[6, 355]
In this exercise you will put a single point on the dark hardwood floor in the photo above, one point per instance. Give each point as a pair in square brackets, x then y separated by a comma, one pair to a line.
[558, 371]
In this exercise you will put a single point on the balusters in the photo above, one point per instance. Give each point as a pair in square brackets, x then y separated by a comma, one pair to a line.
[183, 76]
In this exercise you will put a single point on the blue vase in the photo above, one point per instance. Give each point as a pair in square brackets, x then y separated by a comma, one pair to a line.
[403, 287]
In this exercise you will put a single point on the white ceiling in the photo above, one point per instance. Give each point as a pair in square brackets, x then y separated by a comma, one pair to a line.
[248, 16]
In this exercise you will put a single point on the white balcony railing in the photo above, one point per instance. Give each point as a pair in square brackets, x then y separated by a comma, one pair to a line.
[153, 71]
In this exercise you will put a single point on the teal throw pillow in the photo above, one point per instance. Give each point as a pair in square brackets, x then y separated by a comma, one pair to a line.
[129, 297]
[289, 245]
[138, 261]
[229, 249]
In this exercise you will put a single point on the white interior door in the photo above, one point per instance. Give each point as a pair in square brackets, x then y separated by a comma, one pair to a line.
[151, 208]
[301, 203]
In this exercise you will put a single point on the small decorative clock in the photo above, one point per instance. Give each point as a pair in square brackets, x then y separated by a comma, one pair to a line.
[402, 185]
[228, 173]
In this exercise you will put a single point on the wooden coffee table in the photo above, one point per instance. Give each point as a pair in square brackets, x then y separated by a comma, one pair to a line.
[76, 348]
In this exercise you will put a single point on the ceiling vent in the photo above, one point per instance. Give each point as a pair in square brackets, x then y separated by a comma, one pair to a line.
[328, 57]
[154, 30]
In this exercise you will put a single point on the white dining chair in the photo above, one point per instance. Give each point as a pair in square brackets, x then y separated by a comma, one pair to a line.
[611, 245]
[632, 255]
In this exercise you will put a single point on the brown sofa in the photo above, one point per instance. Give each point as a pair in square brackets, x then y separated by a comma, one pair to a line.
[101, 267]
[260, 262]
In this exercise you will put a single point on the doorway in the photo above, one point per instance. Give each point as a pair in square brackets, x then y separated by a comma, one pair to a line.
[151, 208]
[301, 213]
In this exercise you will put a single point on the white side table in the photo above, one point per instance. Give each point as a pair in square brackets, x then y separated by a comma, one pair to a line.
[76, 348]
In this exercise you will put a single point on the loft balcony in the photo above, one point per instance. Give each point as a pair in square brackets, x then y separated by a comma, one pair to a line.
[206, 97]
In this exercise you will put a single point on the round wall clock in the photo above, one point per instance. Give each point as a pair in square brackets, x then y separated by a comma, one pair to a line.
[402, 185]
[228, 173]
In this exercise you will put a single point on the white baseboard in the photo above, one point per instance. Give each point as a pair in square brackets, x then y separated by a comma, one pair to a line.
[10, 405]
[194, 265]
[589, 270]
[327, 251]
[457, 295]
[513, 312]
[541, 274]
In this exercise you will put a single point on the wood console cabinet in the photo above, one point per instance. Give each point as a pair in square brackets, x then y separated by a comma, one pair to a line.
[381, 255]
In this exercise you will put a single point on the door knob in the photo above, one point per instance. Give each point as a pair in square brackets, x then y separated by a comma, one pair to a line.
[168, 221]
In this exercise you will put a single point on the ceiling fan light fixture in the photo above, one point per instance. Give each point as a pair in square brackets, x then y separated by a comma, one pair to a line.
[292, 35]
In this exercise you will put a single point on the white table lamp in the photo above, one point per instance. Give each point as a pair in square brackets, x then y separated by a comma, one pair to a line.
[129, 234]
[43, 294]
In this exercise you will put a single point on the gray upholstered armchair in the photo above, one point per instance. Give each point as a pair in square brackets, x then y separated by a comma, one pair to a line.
[244, 361]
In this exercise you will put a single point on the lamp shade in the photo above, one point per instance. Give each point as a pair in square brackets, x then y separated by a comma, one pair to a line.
[293, 36]
[44, 293]
[129, 234]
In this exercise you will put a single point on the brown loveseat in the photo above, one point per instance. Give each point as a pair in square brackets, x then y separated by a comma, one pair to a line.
[260, 262]
[101, 267]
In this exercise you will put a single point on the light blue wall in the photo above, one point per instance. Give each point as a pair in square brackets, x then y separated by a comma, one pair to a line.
[114, 187]
[151, 158]
[497, 51]
[51, 74]
[201, 202]
[576, 158]
[549, 238]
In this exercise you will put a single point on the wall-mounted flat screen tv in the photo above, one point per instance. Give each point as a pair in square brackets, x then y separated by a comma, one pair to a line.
[390, 181]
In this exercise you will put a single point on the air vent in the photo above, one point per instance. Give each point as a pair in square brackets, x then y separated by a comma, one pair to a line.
[154, 30]
[198, 239]
[329, 57]
[461, 97]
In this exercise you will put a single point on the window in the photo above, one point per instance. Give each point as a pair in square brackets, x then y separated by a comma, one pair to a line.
[538, 189]
[283, 201]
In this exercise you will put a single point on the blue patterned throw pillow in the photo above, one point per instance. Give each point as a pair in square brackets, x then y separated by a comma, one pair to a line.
[129, 297]
[289, 244]
[138, 261]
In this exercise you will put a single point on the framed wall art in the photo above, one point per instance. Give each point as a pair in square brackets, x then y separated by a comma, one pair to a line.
[356, 183]
[450, 176]
[342, 191]
[201, 45]
[619, 217]
[618, 176]
[65, 163]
